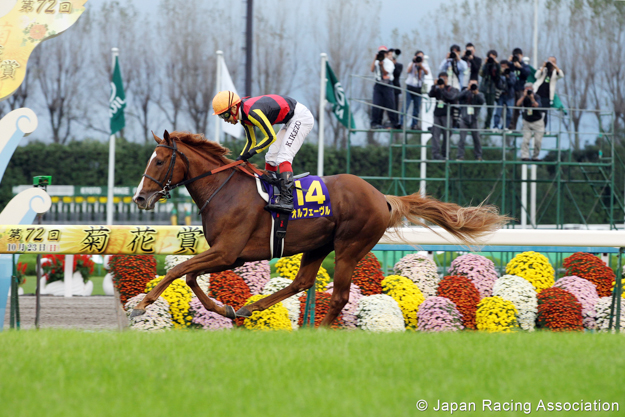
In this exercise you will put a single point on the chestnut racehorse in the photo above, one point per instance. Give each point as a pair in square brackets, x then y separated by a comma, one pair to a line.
[237, 227]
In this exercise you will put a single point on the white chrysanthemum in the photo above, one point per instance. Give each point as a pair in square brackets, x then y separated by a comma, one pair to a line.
[602, 308]
[522, 294]
[291, 304]
[421, 270]
[173, 260]
[380, 313]
[156, 316]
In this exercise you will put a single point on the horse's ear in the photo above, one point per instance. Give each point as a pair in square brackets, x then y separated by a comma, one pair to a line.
[166, 137]
[156, 138]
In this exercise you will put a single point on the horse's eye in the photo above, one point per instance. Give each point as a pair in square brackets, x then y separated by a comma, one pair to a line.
[159, 163]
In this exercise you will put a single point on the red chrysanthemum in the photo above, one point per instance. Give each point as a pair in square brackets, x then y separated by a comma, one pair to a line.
[368, 275]
[322, 304]
[592, 268]
[463, 293]
[131, 273]
[559, 310]
[230, 289]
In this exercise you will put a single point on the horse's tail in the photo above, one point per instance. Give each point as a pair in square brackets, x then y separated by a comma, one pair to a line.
[468, 224]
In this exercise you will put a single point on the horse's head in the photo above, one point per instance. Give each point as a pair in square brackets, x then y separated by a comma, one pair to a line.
[167, 166]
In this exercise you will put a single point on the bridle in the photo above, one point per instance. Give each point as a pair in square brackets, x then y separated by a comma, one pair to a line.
[167, 185]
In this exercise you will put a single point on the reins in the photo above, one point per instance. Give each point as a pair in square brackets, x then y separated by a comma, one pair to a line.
[167, 186]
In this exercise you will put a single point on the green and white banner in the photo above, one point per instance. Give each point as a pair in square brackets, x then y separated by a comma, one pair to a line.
[336, 95]
[117, 102]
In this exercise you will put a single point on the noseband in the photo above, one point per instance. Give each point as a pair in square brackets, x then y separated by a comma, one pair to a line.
[167, 187]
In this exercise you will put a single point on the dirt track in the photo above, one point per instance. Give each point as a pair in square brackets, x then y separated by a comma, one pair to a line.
[87, 313]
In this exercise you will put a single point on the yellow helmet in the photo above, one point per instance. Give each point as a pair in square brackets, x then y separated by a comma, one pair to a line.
[224, 100]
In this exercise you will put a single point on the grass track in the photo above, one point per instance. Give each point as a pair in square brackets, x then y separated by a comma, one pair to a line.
[304, 373]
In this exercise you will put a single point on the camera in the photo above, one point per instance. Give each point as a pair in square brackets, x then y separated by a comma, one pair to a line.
[380, 56]
[490, 60]
[515, 58]
[473, 87]
[468, 53]
[506, 71]
[418, 59]
[530, 92]
[452, 55]
[549, 66]
[440, 81]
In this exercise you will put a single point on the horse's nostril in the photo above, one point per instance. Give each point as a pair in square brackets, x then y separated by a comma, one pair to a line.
[139, 200]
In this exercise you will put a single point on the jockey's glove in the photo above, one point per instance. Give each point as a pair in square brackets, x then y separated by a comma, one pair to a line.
[245, 156]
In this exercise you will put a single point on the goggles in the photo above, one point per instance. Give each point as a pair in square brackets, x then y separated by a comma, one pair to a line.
[225, 115]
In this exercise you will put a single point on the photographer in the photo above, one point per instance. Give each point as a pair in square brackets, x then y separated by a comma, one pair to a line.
[506, 96]
[417, 70]
[491, 82]
[470, 99]
[532, 122]
[473, 61]
[383, 95]
[521, 72]
[444, 95]
[454, 66]
[399, 67]
[545, 84]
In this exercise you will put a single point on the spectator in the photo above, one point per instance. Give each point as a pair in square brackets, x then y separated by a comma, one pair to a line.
[383, 96]
[454, 66]
[399, 67]
[521, 72]
[491, 82]
[545, 84]
[470, 100]
[417, 70]
[506, 97]
[445, 95]
[532, 122]
[473, 61]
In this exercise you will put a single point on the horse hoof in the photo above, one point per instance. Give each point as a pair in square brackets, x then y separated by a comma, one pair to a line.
[230, 312]
[136, 312]
[243, 312]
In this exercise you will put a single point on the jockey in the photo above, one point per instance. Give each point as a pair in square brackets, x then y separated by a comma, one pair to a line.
[263, 112]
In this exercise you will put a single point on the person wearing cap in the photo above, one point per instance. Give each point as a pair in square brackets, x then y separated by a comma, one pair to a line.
[533, 122]
[263, 112]
[445, 96]
[383, 95]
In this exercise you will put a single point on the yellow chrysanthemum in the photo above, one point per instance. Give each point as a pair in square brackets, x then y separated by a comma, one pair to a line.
[408, 296]
[275, 317]
[178, 295]
[495, 314]
[533, 267]
[622, 287]
[288, 267]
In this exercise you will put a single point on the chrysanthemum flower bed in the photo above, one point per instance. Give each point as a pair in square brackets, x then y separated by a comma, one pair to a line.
[439, 314]
[350, 320]
[131, 273]
[368, 275]
[533, 267]
[592, 268]
[207, 320]
[407, 295]
[275, 317]
[586, 293]
[288, 267]
[478, 269]
[155, 318]
[255, 274]
[322, 305]
[291, 304]
[172, 260]
[494, 314]
[380, 313]
[559, 310]
[229, 288]
[178, 295]
[421, 270]
[602, 308]
[522, 294]
[462, 292]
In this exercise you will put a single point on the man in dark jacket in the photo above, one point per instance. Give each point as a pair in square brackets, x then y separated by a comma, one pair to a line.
[491, 82]
[470, 100]
[521, 72]
[505, 102]
[445, 96]
[473, 61]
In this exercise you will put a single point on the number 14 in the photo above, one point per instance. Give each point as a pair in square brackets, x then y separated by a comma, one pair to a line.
[313, 195]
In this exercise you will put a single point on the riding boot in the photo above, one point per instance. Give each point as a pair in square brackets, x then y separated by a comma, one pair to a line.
[284, 202]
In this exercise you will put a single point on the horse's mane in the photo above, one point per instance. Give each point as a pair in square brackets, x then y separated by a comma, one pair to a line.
[199, 142]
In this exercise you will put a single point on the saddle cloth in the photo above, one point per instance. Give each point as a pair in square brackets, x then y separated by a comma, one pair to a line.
[310, 199]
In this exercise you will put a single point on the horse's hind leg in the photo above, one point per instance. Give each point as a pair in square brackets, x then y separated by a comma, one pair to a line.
[208, 304]
[311, 261]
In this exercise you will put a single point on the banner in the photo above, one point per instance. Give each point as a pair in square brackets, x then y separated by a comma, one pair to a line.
[336, 95]
[227, 84]
[117, 102]
[101, 240]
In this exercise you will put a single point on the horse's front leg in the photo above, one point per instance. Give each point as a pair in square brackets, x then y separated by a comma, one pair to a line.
[206, 301]
[213, 260]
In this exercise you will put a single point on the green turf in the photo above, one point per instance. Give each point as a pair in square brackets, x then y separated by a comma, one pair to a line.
[305, 373]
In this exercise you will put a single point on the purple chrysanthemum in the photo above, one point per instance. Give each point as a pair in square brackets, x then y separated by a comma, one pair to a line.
[439, 314]
[478, 269]
[208, 320]
[349, 311]
[255, 274]
[586, 293]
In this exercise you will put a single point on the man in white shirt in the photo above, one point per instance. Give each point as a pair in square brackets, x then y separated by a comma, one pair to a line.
[383, 94]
